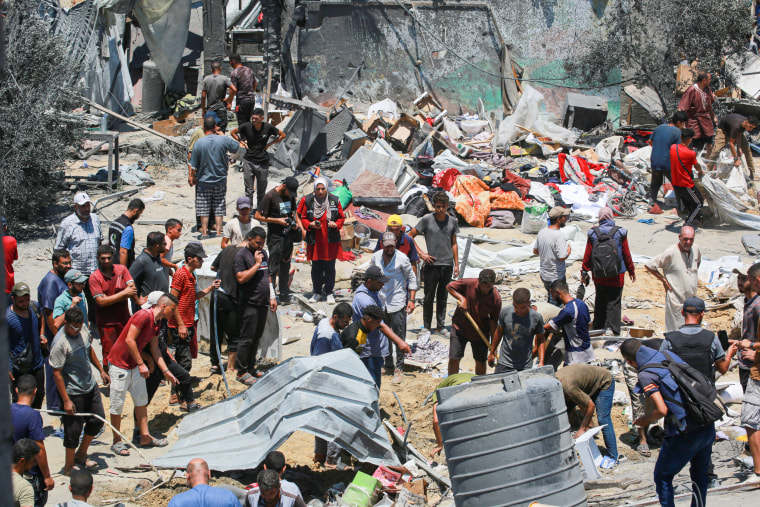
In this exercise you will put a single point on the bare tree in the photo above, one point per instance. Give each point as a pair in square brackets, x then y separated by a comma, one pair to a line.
[649, 38]
[35, 133]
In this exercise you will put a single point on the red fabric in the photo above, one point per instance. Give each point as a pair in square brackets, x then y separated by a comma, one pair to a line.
[682, 172]
[346, 256]
[145, 322]
[446, 178]
[321, 250]
[522, 184]
[184, 282]
[613, 281]
[10, 247]
[583, 174]
[108, 337]
[117, 313]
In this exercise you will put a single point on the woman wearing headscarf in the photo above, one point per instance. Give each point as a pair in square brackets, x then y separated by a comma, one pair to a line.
[608, 258]
[322, 217]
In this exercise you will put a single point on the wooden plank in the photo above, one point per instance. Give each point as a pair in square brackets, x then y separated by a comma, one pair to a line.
[131, 122]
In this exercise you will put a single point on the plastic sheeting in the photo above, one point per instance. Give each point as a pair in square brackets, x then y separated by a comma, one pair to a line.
[726, 205]
[165, 25]
[527, 114]
[331, 396]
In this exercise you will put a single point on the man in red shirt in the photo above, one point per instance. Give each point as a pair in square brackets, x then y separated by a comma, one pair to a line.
[128, 371]
[682, 161]
[111, 286]
[483, 302]
[10, 249]
[182, 322]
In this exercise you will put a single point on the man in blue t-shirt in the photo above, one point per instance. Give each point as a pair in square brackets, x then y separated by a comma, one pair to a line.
[685, 440]
[27, 423]
[52, 286]
[661, 140]
[574, 319]
[201, 494]
[208, 173]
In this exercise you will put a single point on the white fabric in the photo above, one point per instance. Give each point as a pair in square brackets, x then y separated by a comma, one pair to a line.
[729, 207]
[542, 193]
[578, 197]
[608, 148]
[385, 108]
[527, 114]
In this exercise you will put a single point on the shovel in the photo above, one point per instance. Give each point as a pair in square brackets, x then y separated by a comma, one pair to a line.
[477, 329]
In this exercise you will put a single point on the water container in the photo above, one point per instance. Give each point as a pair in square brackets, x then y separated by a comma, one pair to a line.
[152, 88]
[507, 441]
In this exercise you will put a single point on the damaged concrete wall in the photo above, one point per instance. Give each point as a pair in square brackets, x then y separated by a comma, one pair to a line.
[541, 34]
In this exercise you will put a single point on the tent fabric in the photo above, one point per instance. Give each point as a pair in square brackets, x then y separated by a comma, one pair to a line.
[729, 207]
[527, 114]
[475, 200]
[331, 396]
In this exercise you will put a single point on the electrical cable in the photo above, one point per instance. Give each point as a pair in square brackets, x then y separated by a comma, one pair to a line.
[547, 81]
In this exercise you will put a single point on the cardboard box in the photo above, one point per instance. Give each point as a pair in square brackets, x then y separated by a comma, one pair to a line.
[171, 127]
[685, 77]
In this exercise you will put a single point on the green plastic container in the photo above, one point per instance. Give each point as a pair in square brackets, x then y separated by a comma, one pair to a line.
[362, 492]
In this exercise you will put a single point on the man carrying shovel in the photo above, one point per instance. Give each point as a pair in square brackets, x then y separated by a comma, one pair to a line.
[475, 318]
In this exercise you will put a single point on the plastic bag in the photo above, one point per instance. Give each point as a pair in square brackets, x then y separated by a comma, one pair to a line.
[344, 195]
[535, 218]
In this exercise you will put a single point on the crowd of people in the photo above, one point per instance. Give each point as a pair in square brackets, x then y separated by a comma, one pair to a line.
[142, 307]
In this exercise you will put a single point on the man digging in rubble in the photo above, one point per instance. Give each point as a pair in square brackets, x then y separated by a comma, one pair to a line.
[679, 276]
[574, 318]
[478, 298]
[374, 345]
[731, 129]
[519, 325]
[397, 296]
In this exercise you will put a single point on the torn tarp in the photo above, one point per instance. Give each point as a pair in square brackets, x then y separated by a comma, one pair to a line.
[729, 207]
[331, 396]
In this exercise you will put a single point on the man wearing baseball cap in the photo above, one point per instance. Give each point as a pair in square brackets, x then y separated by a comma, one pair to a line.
[73, 297]
[700, 349]
[376, 349]
[182, 321]
[26, 339]
[552, 249]
[404, 242]
[284, 227]
[396, 295]
[80, 234]
[237, 229]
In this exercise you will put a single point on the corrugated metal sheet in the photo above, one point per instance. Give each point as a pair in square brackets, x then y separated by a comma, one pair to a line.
[331, 396]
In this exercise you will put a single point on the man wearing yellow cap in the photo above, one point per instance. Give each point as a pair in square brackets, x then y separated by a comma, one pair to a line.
[404, 242]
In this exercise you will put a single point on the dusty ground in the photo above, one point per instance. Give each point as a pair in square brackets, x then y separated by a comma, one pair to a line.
[116, 480]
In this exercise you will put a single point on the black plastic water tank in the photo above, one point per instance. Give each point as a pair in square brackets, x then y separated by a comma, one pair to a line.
[508, 443]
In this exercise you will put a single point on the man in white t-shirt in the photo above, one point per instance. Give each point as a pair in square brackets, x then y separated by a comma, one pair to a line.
[552, 249]
[237, 229]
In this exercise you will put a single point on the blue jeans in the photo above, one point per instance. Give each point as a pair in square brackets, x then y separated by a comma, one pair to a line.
[603, 402]
[676, 451]
[374, 365]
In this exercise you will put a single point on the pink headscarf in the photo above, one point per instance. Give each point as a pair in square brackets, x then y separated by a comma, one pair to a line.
[606, 214]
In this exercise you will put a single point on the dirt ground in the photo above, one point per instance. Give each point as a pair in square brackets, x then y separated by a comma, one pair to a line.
[123, 478]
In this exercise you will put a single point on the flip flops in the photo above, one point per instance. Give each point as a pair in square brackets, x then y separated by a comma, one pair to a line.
[120, 449]
[84, 462]
[643, 449]
[155, 442]
[246, 379]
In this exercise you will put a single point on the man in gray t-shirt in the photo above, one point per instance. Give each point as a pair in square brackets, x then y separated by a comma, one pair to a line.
[518, 324]
[441, 260]
[214, 96]
[552, 249]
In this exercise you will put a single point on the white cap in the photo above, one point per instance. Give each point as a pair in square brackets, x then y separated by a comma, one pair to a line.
[81, 198]
[152, 301]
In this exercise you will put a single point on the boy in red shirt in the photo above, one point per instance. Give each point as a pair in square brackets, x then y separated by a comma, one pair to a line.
[182, 323]
[682, 161]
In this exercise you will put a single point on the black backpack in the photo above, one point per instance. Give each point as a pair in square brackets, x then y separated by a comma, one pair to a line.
[605, 260]
[700, 399]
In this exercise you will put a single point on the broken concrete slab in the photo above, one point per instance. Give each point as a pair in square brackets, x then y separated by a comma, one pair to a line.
[584, 112]
[331, 396]
[640, 106]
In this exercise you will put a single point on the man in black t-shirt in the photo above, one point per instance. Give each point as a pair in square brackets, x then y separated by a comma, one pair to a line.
[147, 271]
[255, 134]
[256, 298]
[277, 210]
[225, 307]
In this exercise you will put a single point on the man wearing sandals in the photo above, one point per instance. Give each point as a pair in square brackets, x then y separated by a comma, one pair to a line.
[129, 371]
[71, 358]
